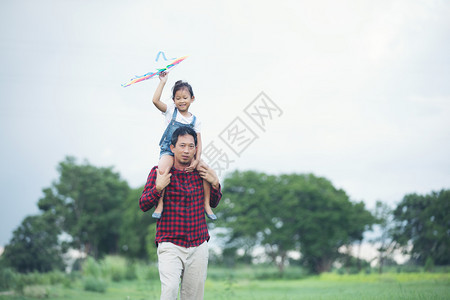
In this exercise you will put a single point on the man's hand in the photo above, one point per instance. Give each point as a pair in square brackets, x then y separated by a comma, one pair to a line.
[192, 166]
[162, 180]
[209, 175]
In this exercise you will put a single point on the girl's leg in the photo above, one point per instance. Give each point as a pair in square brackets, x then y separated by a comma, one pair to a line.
[207, 191]
[208, 210]
[165, 163]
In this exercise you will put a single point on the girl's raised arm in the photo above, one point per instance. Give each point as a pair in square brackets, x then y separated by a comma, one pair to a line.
[157, 96]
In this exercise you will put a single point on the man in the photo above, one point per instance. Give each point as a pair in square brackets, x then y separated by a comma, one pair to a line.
[181, 232]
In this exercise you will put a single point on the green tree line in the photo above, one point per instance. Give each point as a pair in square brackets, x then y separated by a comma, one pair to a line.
[92, 209]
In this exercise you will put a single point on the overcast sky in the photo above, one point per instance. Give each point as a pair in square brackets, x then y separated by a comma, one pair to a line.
[359, 90]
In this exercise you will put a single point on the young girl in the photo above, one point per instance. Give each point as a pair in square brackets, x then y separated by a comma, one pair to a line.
[178, 115]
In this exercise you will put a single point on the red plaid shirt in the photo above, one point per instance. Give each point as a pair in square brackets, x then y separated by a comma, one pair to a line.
[182, 221]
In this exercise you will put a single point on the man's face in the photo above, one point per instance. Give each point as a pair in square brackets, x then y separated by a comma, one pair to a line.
[185, 149]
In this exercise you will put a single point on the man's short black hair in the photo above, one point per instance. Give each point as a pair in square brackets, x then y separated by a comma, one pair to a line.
[183, 130]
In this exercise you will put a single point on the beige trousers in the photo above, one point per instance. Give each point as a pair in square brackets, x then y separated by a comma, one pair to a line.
[189, 265]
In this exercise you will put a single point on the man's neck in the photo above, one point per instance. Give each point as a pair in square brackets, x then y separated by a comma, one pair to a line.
[180, 167]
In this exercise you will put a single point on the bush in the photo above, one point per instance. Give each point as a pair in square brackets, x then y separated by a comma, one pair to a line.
[117, 274]
[30, 279]
[429, 264]
[56, 277]
[114, 267]
[130, 273]
[94, 284]
[7, 279]
[36, 291]
[150, 273]
[408, 268]
[295, 273]
[268, 274]
[35, 279]
[91, 268]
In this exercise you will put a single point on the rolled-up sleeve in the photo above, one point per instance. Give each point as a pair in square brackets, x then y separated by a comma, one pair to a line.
[150, 195]
[215, 196]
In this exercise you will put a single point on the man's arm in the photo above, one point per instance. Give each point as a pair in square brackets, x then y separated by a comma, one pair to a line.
[156, 182]
[210, 175]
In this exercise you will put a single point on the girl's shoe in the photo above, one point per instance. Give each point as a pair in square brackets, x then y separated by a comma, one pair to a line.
[211, 216]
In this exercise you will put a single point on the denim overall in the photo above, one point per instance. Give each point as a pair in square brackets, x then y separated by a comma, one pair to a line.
[166, 139]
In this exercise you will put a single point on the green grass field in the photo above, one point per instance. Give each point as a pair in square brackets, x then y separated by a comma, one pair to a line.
[234, 285]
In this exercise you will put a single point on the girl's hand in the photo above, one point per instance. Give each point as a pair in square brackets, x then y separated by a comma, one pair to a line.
[192, 166]
[163, 76]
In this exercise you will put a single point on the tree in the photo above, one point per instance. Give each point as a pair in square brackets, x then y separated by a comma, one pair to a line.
[89, 201]
[34, 246]
[385, 243]
[249, 211]
[135, 231]
[324, 217]
[85, 203]
[291, 212]
[424, 222]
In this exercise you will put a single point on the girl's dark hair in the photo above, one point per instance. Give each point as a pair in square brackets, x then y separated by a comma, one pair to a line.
[181, 85]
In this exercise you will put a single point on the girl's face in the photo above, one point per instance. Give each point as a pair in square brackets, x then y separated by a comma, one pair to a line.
[183, 100]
